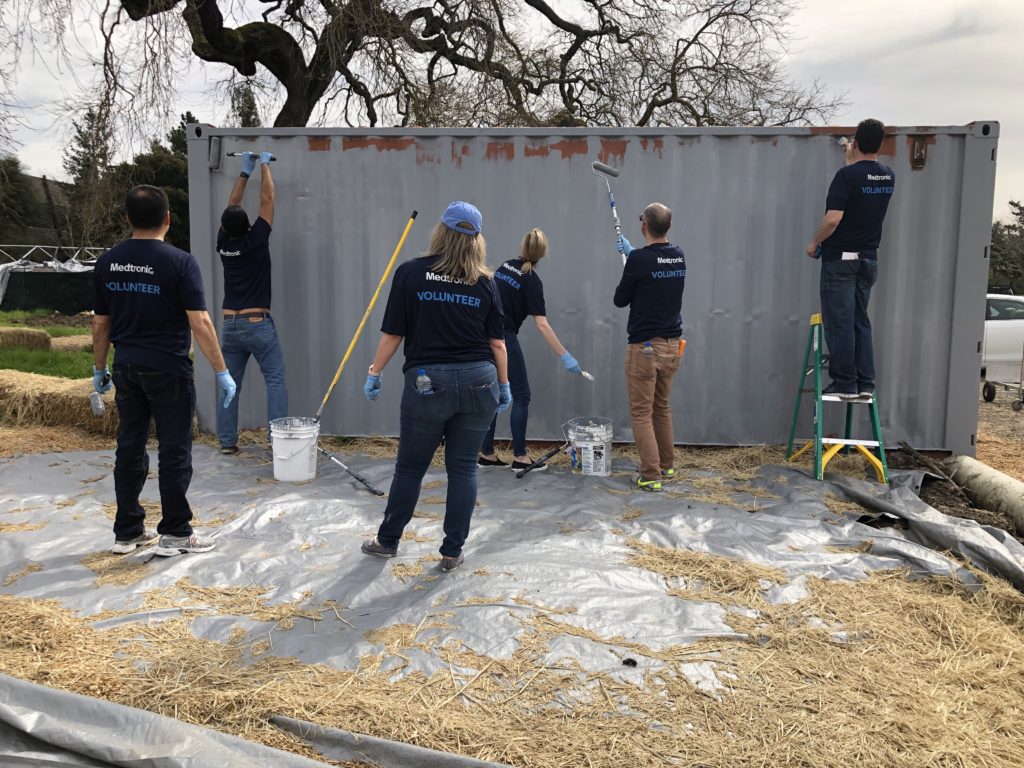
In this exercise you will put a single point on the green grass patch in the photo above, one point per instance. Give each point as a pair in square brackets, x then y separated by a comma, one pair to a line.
[68, 365]
[63, 330]
[36, 318]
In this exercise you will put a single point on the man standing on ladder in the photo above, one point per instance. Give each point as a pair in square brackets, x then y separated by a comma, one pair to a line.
[652, 287]
[847, 243]
[248, 328]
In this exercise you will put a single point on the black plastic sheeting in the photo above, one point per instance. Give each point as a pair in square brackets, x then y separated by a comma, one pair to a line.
[293, 539]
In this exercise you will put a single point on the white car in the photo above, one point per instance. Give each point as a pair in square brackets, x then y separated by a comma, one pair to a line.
[1004, 340]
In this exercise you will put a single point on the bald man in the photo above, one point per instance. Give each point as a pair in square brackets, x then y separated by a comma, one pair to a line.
[652, 287]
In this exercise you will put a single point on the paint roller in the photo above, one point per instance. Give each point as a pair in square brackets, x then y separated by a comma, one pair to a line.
[605, 172]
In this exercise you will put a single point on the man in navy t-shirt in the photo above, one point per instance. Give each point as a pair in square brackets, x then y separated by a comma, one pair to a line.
[847, 242]
[148, 301]
[652, 286]
[248, 328]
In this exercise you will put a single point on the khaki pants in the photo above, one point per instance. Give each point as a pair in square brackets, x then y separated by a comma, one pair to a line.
[649, 384]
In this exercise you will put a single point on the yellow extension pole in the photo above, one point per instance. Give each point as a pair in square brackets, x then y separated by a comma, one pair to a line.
[366, 315]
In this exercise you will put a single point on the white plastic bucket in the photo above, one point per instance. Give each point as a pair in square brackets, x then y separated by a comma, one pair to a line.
[293, 441]
[590, 439]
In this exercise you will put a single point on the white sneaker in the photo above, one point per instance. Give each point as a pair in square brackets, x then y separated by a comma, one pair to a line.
[171, 546]
[127, 546]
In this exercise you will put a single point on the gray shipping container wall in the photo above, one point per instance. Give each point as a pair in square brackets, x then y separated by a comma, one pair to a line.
[745, 202]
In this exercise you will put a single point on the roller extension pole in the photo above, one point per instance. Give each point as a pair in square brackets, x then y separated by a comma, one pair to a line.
[366, 315]
[604, 171]
[355, 475]
[239, 154]
[538, 462]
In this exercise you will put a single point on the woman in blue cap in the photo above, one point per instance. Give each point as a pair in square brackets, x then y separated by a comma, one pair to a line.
[522, 295]
[445, 307]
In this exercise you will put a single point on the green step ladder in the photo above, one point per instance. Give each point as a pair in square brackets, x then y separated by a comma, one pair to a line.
[872, 450]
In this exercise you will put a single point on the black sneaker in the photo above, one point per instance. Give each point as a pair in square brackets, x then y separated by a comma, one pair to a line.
[842, 394]
[229, 450]
[375, 548]
[866, 393]
[517, 465]
[449, 564]
[482, 462]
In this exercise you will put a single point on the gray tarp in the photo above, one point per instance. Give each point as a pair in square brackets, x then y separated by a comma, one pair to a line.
[294, 538]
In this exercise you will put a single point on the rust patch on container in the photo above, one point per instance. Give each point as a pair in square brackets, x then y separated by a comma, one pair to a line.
[319, 143]
[458, 153]
[500, 150]
[570, 147]
[536, 148]
[917, 150]
[657, 146]
[427, 154]
[380, 143]
[612, 148]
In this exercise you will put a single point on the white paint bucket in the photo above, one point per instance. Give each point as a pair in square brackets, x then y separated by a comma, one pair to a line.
[293, 442]
[590, 440]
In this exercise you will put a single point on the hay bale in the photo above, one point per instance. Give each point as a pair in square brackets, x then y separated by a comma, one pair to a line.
[33, 399]
[71, 343]
[24, 338]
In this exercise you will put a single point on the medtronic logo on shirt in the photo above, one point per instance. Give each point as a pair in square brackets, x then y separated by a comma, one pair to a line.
[451, 298]
[876, 177]
[443, 278]
[230, 254]
[132, 268]
[680, 260]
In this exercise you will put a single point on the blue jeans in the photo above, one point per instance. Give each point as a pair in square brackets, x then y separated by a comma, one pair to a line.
[519, 413]
[845, 291]
[143, 395]
[461, 406]
[259, 339]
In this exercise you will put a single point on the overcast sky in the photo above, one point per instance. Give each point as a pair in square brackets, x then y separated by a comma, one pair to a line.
[906, 62]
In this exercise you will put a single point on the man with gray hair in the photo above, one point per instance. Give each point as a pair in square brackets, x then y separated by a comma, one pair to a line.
[652, 286]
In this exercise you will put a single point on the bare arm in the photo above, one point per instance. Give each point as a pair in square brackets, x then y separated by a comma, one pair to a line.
[828, 225]
[100, 340]
[206, 337]
[385, 351]
[268, 195]
[549, 334]
[238, 191]
[500, 359]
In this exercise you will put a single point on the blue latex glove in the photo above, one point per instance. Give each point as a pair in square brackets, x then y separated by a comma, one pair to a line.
[623, 246]
[504, 397]
[227, 386]
[248, 163]
[101, 380]
[372, 387]
[570, 363]
[265, 158]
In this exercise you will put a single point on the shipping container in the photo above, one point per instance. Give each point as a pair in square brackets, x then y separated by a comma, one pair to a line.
[745, 203]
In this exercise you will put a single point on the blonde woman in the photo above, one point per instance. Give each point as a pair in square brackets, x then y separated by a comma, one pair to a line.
[522, 295]
[445, 307]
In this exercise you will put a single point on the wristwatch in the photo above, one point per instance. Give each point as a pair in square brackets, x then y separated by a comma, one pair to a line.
[369, 371]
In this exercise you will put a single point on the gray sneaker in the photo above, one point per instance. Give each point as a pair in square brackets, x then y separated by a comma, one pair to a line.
[171, 546]
[127, 546]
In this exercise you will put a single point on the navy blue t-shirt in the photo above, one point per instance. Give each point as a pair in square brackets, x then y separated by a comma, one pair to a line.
[652, 286]
[146, 286]
[443, 320]
[862, 192]
[246, 263]
[522, 293]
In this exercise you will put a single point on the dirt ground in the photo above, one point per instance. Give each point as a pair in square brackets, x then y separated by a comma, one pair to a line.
[1000, 444]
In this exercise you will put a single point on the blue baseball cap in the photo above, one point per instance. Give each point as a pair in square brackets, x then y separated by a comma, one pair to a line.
[460, 213]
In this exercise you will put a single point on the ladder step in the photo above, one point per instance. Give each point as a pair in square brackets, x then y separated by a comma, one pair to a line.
[841, 441]
[838, 399]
